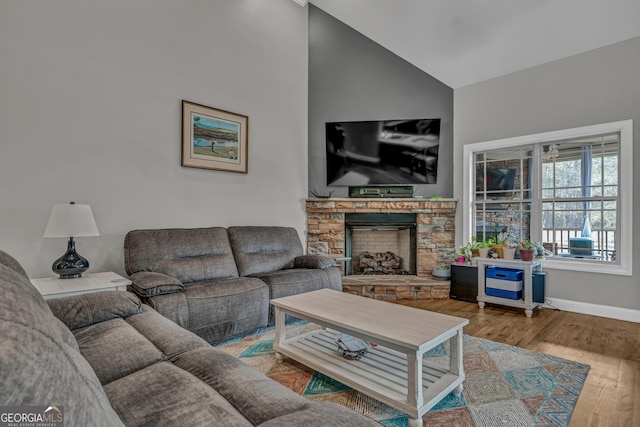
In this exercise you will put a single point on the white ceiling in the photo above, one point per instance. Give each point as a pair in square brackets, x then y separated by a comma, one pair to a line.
[461, 42]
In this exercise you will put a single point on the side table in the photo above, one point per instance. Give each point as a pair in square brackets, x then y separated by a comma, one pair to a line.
[54, 287]
[528, 267]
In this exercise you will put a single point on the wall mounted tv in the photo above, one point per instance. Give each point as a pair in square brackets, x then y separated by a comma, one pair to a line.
[382, 152]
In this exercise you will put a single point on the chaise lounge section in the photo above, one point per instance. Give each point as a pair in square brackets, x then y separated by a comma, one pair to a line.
[217, 282]
[106, 359]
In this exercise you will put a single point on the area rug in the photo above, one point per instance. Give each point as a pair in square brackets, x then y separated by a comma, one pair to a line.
[504, 385]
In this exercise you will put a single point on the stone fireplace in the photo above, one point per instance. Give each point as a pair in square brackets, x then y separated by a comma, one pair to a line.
[332, 222]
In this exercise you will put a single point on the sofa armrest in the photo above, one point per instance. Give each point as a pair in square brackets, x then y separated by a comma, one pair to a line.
[314, 261]
[150, 283]
[83, 310]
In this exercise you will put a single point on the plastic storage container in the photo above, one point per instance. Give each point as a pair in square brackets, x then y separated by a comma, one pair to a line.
[504, 273]
[504, 282]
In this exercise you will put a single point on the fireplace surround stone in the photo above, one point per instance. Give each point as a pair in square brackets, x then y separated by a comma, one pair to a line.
[435, 242]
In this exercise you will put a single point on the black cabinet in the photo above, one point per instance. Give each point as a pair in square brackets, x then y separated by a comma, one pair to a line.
[464, 282]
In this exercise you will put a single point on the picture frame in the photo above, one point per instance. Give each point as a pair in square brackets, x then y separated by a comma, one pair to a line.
[214, 139]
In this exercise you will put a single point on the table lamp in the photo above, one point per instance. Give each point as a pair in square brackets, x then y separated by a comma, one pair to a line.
[71, 220]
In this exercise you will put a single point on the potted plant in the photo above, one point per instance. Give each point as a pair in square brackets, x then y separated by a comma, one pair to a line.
[485, 246]
[509, 251]
[474, 246]
[442, 272]
[527, 250]
[539, 250]
[500, 242]
[468, 251]
[461, 256]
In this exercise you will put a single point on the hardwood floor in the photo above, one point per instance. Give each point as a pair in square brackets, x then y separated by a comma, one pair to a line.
[611, 394]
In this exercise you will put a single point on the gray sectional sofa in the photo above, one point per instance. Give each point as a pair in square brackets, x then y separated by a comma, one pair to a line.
[217, 282]
[108, 360]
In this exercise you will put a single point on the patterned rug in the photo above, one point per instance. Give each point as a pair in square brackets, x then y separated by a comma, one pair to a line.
[504, 385]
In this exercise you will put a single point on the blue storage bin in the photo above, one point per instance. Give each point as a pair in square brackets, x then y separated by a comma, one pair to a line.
[501, 293]
[504, 273]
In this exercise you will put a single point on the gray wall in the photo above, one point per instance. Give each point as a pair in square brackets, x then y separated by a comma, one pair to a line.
[352, 78]
[90, 110]
[596, 87]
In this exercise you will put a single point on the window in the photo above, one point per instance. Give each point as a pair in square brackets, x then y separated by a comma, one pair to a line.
[503, 197]
[580, 197]
[570, 190]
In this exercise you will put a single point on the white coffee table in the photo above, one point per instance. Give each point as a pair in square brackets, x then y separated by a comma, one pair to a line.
[394, 372]
[54, 287]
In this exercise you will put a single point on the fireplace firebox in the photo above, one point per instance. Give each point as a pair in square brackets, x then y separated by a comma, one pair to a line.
[381, 243]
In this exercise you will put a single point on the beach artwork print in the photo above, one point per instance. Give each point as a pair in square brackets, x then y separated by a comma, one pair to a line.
[213, 139]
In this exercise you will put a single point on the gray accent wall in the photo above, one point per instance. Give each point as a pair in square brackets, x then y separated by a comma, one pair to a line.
[599, 86]
[352, 78]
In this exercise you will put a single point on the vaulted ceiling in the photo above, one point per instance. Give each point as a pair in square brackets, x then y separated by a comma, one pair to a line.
[461, 42]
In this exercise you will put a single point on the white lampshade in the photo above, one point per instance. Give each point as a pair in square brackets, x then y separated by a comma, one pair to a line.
[71, 220]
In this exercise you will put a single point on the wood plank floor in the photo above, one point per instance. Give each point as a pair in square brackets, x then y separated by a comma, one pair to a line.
[611, 394]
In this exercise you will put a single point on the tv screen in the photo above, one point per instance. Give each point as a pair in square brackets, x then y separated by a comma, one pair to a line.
[382, 152]
[497, 179]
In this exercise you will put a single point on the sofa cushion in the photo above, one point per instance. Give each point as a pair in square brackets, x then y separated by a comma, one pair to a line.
[217, 309]
[256, 396]
[168, 337]
[78, 311]
[9, 261]
[67, 336]
[298, 280]
[38, 370]
[39, 364]
[150, 283]
[115, 349]
[179, 251]
[314, 261]
[264, 249]
[165, 395]
[195, 268]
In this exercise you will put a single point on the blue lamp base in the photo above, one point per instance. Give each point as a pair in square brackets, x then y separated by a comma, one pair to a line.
[70, 265]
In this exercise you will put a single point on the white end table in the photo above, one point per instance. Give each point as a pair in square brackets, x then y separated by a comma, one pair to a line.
[528, 268]
[54, 287]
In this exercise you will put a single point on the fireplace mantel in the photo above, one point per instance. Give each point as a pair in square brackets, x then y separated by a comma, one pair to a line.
[435, 220]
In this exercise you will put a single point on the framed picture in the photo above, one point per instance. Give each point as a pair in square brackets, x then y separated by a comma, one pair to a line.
[214, 139]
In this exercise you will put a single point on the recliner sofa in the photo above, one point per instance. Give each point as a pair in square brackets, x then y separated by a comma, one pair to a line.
[217, 282]
[106, 359]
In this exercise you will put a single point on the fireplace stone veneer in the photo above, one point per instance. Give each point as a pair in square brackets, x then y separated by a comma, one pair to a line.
[435, 242]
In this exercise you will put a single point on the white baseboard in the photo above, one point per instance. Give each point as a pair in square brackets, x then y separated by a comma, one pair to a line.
[618, 313]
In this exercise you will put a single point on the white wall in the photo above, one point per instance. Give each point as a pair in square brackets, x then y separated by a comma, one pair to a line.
[595, 87]
[90, 111]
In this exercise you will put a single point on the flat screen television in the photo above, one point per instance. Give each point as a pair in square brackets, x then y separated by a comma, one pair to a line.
[497, 180]
[382, 152]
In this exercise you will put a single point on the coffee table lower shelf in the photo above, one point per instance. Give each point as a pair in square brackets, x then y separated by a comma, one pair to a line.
[381, 374]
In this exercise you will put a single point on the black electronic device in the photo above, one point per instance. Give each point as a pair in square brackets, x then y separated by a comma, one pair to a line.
[405, 191]
[464, 283]
[538, 280]
[382, 152]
